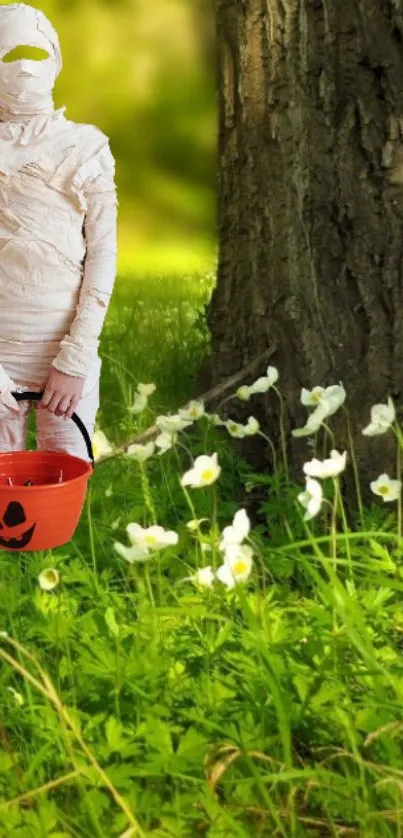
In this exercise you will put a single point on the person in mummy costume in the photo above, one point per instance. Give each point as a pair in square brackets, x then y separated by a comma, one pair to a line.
[58, 217]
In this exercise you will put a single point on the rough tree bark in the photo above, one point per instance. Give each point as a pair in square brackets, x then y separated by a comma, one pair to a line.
[310, 205]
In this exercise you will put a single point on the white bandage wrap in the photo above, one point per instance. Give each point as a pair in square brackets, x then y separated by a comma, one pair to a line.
[58, 213]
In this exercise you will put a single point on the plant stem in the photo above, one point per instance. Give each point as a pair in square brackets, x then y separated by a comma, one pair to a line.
[355, 466]
[147, 494]
[282, 434]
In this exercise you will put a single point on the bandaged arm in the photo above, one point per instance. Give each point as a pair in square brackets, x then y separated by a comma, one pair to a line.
[6, 383]
[79, 348]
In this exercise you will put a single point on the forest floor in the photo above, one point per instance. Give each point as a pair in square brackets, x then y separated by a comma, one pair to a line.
[135, 701]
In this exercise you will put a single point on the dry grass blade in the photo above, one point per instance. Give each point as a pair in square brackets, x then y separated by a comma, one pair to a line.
[264, 757]
[233, 753]
[343, 830]
[48, 691]
[377, 767]
[388, 781]
[29, 795]
[220, 768]
[391, 815]
[372, 737]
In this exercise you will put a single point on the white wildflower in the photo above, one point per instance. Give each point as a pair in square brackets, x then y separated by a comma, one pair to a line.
[311, 398]
[151, 538]
[171, 424]
[331, 467]
[330, 398]
[243, 393]
[203, 578]
[131, 554]
[235, 429]
[194, 410]
[382, 417]
[215, 419]
[101, 446]
[387, 489]
[237, 531]
[252, 426]
[139, 404]
[261, 385]
[146, 389]
[165, 441]
[49, 579]
[141, 453]
[313, 423]
[205, 471]
[311, 499]
[272, 375]
[237, 565]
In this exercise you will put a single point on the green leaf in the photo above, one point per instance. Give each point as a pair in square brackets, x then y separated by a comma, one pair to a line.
[110, 621]
[381, 552]
[223, 635]
[158, 736]
[326, 694]
[5, 762]
[192, 742]
[301, 683]
[114, 734]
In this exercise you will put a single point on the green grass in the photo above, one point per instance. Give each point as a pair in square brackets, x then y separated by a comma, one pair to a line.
[270, 710]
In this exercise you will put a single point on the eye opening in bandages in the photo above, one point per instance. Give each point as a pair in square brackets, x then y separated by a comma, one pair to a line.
[27, 52]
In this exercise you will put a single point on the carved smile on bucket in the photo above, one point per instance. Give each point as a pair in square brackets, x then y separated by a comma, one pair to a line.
[13, 532]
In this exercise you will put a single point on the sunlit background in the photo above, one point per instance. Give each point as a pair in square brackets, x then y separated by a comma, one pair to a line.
[143, 71]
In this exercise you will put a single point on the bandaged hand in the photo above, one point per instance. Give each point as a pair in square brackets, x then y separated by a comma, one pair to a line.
[62, 393]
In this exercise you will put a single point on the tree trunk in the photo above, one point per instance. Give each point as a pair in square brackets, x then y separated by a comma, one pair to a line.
[310, 206]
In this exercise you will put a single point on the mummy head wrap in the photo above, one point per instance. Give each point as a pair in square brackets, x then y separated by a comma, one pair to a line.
[26, 85]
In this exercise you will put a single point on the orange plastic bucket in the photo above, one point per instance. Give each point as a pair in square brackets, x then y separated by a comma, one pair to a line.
[45, 514]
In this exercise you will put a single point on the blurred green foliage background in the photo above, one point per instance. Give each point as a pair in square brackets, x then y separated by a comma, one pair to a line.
[144, 72]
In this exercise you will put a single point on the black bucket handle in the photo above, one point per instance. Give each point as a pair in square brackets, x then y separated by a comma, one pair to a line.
[32, 395]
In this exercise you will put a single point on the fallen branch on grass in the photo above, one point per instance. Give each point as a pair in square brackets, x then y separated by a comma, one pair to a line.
[207, 397]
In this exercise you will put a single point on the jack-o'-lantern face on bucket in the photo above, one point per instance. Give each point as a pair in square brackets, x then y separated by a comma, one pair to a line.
[14, 534]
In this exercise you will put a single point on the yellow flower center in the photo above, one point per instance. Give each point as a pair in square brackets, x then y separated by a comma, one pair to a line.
[239, 567]
[150, 539]
[207, 474]
[384, 489]
[316, 397]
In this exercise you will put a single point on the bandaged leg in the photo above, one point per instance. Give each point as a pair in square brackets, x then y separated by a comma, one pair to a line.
[13, 429]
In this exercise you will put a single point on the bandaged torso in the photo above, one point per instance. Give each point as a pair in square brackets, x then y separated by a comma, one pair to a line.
[58, 245]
